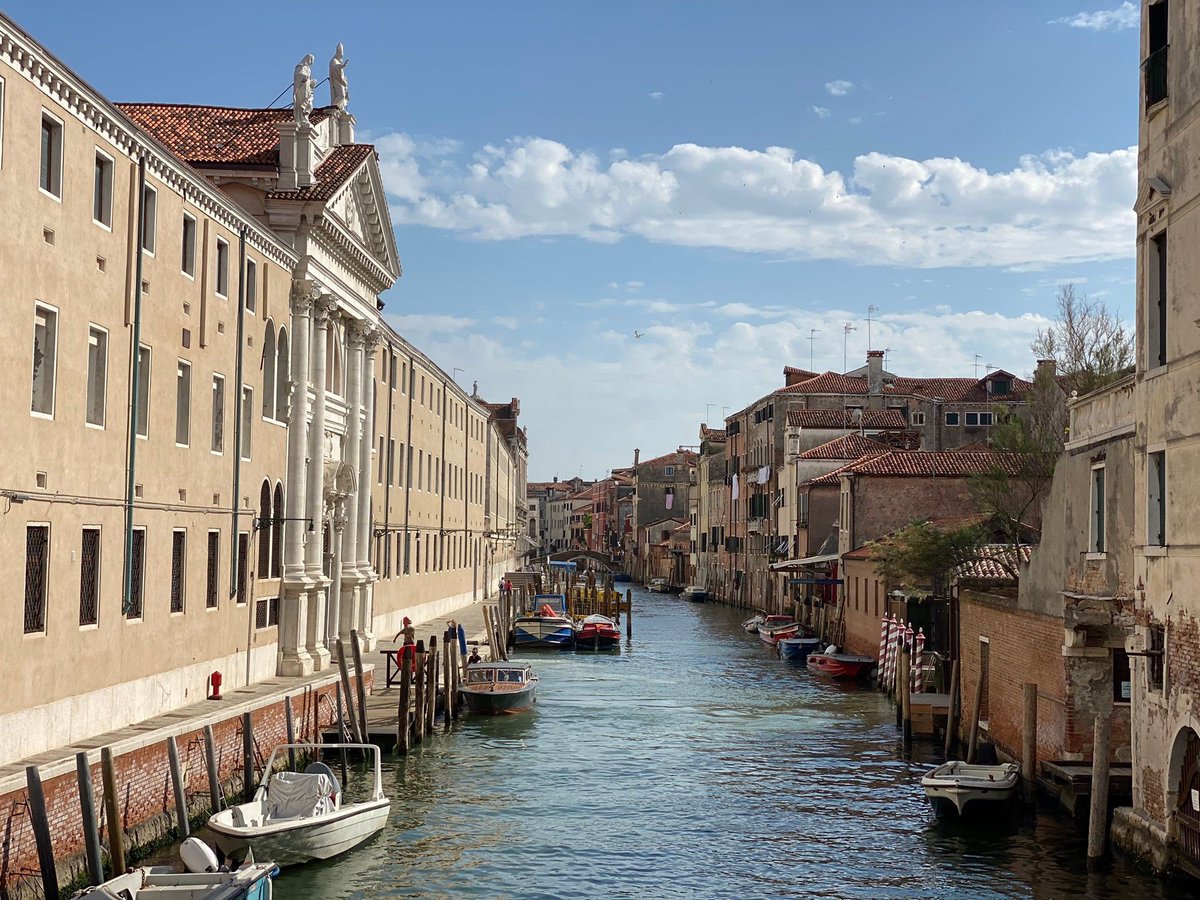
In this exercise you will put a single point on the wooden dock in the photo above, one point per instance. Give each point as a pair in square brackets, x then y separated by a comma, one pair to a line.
[1070, 783]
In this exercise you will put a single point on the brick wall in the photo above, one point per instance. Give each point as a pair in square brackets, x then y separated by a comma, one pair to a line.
[146, 795]
[864, 593]
[1022, 646]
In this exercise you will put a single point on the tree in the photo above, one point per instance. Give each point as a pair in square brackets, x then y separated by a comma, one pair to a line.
[921, 554]
[1088, 343]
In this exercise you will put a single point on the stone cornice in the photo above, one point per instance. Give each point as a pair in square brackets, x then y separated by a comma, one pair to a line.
[60, 84]
[343, 247]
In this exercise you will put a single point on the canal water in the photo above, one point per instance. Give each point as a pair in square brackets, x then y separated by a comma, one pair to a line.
[693, 764]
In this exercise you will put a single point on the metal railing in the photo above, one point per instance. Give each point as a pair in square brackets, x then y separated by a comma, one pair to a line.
[1155, 69]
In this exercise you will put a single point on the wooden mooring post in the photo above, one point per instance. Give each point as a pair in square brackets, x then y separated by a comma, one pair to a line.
[247, 757]
[403, 715]
[112, 812]
[181, 813]
[210, 763]
[431, 677]
[1098, 815]
[447, 679]
[347, 695]
[419, 693]
[290, 721]
[952, 712]
[360, 685]
[41, 830]
[628, 613]
[1029, 742]
[341, 725]
[87, 814]
[973, 740]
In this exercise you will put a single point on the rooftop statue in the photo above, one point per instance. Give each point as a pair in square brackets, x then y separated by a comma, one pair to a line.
[302, 90]
[339, 92]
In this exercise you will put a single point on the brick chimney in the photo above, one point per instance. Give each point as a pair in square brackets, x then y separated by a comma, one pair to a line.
[875, 372]
[1049, 366]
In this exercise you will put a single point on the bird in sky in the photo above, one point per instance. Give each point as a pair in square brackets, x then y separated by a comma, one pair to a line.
[637, 334]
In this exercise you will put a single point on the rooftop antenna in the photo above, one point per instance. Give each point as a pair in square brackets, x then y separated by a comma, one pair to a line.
[454, 374]
[707, 407]
[886, 351]
[812, 337]
[977, 359]
[846, 329]
[871, 310]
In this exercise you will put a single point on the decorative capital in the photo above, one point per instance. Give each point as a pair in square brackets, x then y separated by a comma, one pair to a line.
[304, 293]
[356, 333]
[371, 337]
[324, 306]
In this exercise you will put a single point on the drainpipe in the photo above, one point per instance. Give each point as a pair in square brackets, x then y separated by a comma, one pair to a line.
[134, 398]
[237, 433]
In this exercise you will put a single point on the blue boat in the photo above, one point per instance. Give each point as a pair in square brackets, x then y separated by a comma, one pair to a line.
[548, 626]
[621, 576]
[796, 649]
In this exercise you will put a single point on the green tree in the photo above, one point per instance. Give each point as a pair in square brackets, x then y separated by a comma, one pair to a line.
[921, 554]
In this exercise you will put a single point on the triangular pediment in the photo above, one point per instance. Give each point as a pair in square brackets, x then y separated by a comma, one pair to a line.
[360, 207]
[1153, 191]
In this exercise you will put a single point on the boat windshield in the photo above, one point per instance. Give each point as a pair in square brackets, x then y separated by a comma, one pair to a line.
[510, 676]
[479, 676]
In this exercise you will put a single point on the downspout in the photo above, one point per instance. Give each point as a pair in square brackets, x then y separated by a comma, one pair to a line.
[407, 470]
[389, 456]
[237, 431]
[134, 398]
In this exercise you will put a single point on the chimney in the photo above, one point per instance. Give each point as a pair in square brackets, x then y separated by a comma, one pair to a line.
[636, 456]
[1048, 366]
[556, 479]
[875, 372]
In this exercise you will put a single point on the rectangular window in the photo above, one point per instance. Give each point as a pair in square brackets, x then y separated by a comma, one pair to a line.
[952, 418]
[391, 453]
[247, 419]
[243, 557]
[52, 148]
[222, 267]
[392, 373]
[102, 190]
[400, 466]
[214, 564]
[1121, 677]
[218, 414]
[187, 259]
[1156, 651]
[251, 285]
[37, 559]
[1156, 501]
[420, 470]
[149, 218]
[183, 403]
[1156, 294]
[985, 418]
[1097, 517]
[137, 564]
[143, 391]
[178, 563]
[918, 418]
[266, 612]
[379, 462]
[972, 418]
[45, 359]
[669, 472]
[97, 376]
[89, 577]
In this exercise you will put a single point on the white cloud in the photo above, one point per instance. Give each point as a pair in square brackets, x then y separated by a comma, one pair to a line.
[508, 322]
[1051, 208]
[680, 352]
[430, 324]
[822, 112]
[1126, 15]
[855, 120]
[656, 95]
[839, 88]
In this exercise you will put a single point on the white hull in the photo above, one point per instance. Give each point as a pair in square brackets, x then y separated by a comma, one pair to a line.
[958, 785]
[292, 842]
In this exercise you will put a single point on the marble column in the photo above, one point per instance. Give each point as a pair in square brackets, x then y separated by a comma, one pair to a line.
[315, 487]
[293, 627]
[347, 572]
[366, 622]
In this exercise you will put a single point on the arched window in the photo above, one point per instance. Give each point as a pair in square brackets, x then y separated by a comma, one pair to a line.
[277, 533]
[283, 367]
[268, 372]
[264, 531]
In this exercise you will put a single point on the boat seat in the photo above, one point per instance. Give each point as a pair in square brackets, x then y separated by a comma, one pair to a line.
[295, 795]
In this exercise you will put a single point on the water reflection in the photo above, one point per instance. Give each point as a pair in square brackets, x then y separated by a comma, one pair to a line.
[694, 763]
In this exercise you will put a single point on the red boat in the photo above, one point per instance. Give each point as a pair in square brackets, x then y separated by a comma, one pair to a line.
[840, 665]
[776, 628]
[597, 633]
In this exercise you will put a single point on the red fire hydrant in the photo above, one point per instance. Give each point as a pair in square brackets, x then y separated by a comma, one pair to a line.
[214, 682]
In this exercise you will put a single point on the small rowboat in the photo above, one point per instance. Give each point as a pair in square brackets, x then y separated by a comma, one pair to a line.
[597, 633]
[776, 628]
[796, 649]
[694, 594]
[955, 785]
[840, 665]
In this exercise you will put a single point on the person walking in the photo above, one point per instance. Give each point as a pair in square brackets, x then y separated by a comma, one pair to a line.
[409, 647]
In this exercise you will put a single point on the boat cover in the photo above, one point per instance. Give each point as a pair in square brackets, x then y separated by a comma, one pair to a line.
[295, 795]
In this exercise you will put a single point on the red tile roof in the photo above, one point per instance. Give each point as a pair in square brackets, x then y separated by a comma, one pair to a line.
[678, 458]
[712, 434]
[849, 446]
[828, 383]
[995, 562]
[842, 418]
[925, 464]
[953, 390]
[332, 173]
[831, 478]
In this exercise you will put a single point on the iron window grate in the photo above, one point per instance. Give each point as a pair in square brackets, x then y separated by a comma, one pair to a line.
[89, 577]
[178, 548]
[37, 550]
[214, 553]
[137, 564]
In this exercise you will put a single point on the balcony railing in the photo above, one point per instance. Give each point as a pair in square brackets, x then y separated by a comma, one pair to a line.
[1155, 68]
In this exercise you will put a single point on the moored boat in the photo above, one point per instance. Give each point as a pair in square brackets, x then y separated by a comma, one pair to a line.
[773, 629]
[840, 665]
[298, 817]
[954, 786]
[597, 632]
[202, 879]
[694, 593]
[797, 648]
[499, 688]
[546, 627]
[658, 586]
[752, 623]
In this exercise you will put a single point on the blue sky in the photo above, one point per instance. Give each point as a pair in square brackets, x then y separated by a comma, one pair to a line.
[721, 178]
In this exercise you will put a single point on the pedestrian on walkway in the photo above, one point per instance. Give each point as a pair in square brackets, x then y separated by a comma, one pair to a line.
[409, 648]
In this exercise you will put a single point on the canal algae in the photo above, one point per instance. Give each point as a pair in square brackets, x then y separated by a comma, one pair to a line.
[693, 764]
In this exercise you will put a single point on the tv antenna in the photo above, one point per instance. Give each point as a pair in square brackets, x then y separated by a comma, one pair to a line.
[846, 329]
[871, 310]
[812, 337]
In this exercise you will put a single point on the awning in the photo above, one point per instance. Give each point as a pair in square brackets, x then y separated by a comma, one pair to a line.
[789, 564]
[814, 581]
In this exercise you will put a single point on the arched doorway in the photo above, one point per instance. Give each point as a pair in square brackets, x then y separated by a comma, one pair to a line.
[1185, 777]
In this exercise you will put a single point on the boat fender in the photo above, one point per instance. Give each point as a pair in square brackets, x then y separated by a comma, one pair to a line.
[197, 856]
[831, 649]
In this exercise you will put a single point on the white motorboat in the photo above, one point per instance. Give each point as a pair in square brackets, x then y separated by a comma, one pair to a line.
[694, 593]
[297, 817]
[203, 879]
[956, 784]
[752, 623]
